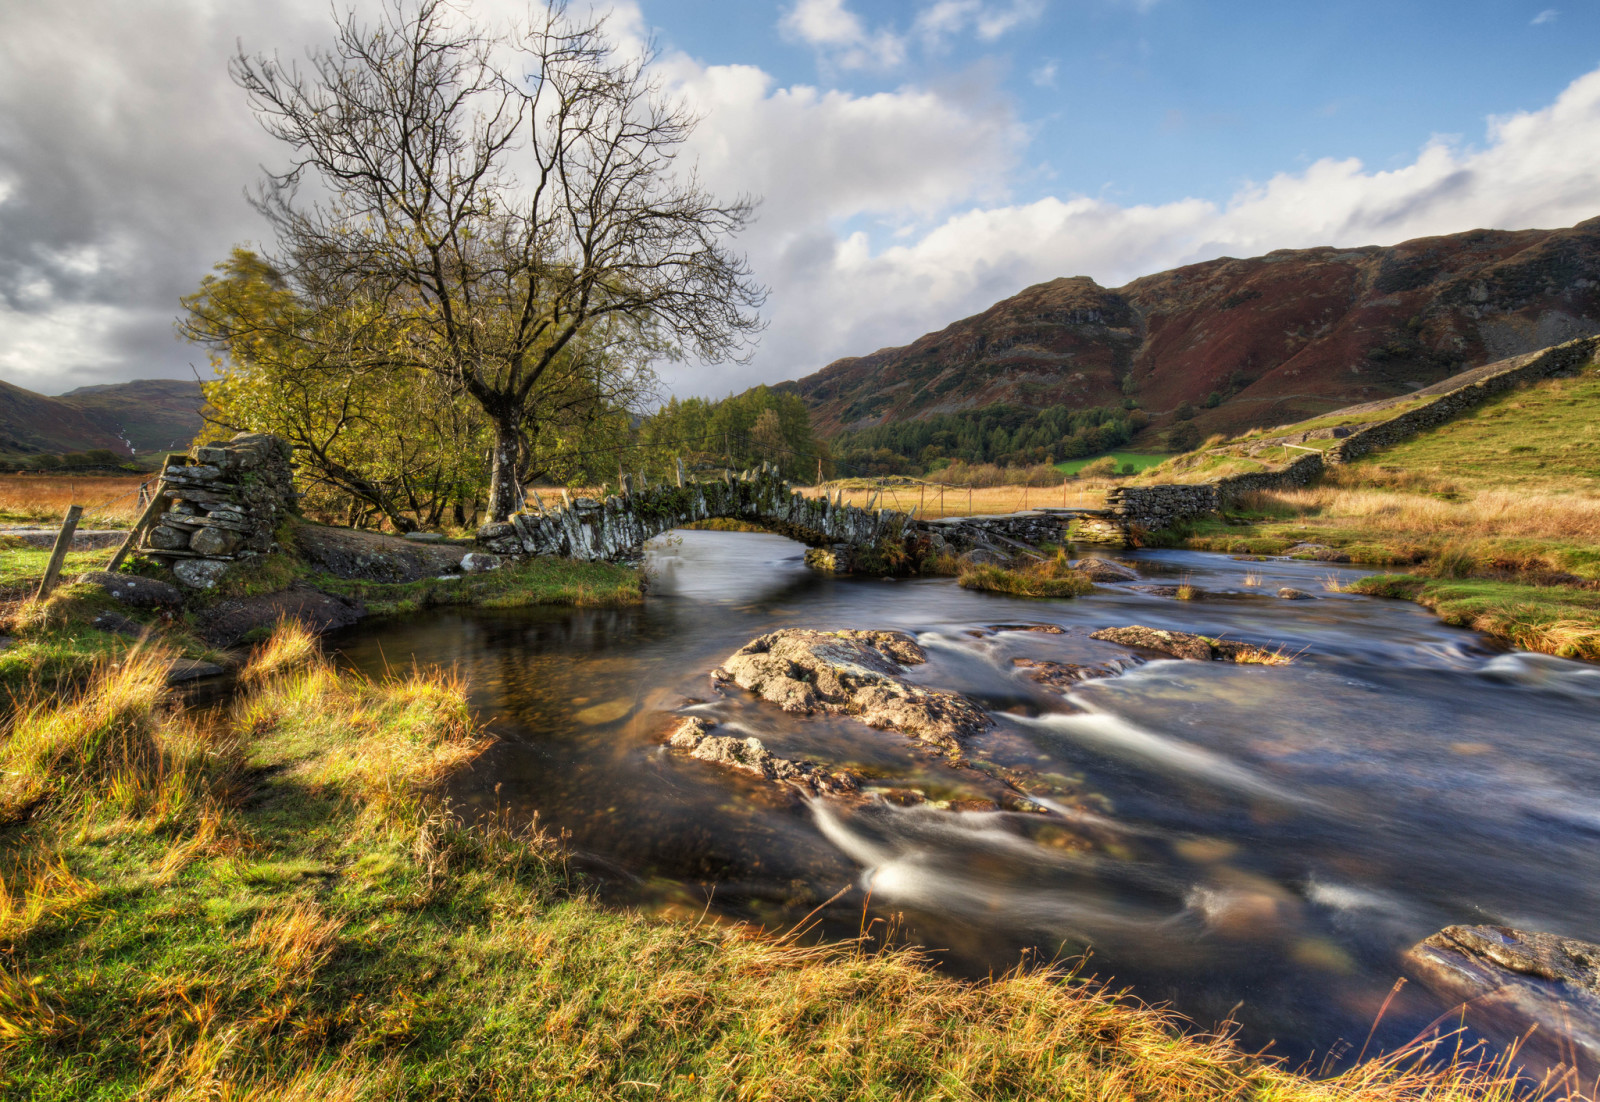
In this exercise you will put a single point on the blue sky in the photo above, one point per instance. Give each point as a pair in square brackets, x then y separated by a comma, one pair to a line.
[1149, 103]
[918, 160]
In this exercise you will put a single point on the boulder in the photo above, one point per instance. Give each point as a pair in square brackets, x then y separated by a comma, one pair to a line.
[1183, 644]
[1290, 593]
[373, 556]
[163, 538]
[982, 556]
[134, 591]
[1512, 980]
[199, 573]
[190, 669]
[230, 621]
[480, 562]
[425, 537]
[1104, 570]
[856, 673]
[748, 755]
[215, 541]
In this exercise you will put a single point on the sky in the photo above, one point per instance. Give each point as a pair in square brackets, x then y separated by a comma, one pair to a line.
[916, 160]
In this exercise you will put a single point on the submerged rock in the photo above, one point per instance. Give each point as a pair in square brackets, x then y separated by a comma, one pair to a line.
[1290, 593]
[1061, 675]
[1513, 980]
[1104, 570]
[1183, 644]
[748, 755]
[856, 673]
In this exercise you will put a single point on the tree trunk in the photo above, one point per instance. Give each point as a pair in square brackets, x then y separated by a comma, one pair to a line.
[503, 473]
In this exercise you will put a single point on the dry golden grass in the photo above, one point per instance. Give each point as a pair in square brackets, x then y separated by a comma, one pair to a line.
[292, 646]
[1483, 514]
[110, 501]
[297, 938]
[932, 501]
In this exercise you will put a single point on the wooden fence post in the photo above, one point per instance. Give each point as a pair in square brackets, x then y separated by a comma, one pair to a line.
[52, 573]
[151, 509]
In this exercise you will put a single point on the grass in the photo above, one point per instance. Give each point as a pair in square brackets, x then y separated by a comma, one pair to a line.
[955, 501]
[1497, 513]
[21, 566]
[1044, 578]
[541, 581]
[1559, 620]
[1140, 461]
[273, 901]
[1544, 437]
[109, 501]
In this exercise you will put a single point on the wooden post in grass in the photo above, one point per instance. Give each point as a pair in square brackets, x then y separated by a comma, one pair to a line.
[52, 573]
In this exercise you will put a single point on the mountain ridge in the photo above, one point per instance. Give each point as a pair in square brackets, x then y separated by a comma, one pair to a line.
[133, 418]
[1276, 338]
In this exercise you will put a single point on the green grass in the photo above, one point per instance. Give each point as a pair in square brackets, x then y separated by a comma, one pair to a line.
[1543, 437]
[22, 566]
[1140, 460]
[542, 581]
[1559, 620]
[1046, 578]
[276, 904]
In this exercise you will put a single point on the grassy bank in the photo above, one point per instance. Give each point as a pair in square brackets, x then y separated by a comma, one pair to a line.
[1050, 577]
[1496, 515]
[273, 902]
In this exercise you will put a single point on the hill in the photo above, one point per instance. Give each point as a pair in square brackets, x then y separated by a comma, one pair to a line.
[137, 418]
[1261, 341]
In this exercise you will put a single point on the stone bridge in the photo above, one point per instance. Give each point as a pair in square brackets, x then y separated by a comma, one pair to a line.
[843, 538]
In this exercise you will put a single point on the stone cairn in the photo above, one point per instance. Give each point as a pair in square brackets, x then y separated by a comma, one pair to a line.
[219, 505]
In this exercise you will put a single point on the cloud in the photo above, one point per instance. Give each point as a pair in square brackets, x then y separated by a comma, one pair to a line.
[1044, 76]
[1549, 15]
[884, 216]
[843, 296]
[946, 18]
[840, 35]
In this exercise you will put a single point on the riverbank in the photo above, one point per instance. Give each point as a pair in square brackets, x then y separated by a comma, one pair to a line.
[57, 641]
[274, 902]
[1522, 566]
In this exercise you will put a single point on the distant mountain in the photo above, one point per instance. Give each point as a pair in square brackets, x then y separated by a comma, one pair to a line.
[1276, 338]
[137, 418]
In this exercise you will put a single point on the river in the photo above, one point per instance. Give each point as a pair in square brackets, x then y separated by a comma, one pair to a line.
[1264, 841]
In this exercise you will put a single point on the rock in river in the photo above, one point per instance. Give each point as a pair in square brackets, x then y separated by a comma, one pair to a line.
[1104, 570]
[1183, 644]
[750, 756]
[1513, 980]
[856, 673]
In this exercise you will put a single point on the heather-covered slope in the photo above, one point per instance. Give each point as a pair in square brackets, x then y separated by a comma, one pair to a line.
[140, 417]
[1275, 338]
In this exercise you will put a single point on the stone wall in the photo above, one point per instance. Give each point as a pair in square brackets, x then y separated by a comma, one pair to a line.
[1153, 508]
[1563, 359]
[221, 506]
[1032, 526]
[1302, 472]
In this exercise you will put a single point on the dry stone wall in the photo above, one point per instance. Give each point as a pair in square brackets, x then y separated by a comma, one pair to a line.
[1563, 359]
[221, 506]
[1153, 508]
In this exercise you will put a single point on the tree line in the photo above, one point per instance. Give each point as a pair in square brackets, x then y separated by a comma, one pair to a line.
[1001, 434]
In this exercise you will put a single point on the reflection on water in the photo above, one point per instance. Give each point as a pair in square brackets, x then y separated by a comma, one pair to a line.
[1269, 838]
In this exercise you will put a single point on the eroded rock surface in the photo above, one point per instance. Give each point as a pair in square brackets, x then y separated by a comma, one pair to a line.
[748, 755]
[855, 673]
[1178, 644]
[375, 557]
[230, 621]
[1061, 676]
[1513, 980]
[1104, 570]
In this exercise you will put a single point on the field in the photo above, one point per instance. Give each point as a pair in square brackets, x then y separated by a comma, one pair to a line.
[271, 901]
[1140, 460]
[1544, 438]
[109, 501]
[932, 500]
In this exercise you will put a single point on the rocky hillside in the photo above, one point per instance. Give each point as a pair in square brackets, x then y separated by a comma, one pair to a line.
[1265, 341]
[148, 415]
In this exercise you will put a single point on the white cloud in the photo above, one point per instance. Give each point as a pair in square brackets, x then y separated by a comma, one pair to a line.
[841, 296]
[1549, 15]
[1044, 76]
[946, 18]
[840, 35]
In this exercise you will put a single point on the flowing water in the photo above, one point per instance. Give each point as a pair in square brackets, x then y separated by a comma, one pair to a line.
[1255, 841]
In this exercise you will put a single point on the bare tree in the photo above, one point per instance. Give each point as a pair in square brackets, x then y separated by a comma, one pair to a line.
[505, 286]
